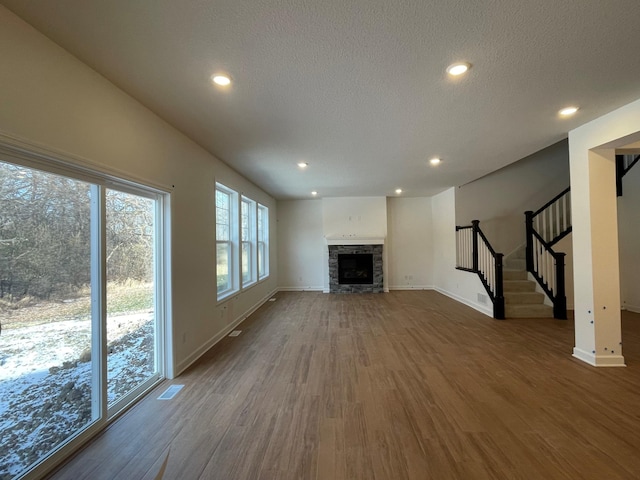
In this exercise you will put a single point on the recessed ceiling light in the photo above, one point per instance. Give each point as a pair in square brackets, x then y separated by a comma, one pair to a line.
[459, 68]
[314, 193]
[398, 191]
[220, 79]
[303, 164]
[568, 111]
[435, 161]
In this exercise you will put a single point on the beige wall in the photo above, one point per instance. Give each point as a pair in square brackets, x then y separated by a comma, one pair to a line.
[51, 99]
[301, 245]
[410, 253]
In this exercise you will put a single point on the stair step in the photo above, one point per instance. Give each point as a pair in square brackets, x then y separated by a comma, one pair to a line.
[524, 298]
[514, 275]
[519, 286]
[528, 311]
[516, 263]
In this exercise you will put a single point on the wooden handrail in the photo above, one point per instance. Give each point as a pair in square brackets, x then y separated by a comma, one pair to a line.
[558, 294]
[552, 201]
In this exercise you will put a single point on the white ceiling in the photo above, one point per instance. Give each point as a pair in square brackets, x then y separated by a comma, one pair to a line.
[357, 88]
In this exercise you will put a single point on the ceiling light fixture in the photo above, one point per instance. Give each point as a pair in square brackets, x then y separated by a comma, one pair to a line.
[303, 164]
[398, 191]
[314, 193]
[435, 161]
[220, 79]
[459, 68]
[568, 111]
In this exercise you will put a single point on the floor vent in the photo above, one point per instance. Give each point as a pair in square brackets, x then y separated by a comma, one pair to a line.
[272, 299]
[170, 392]
[235, 333]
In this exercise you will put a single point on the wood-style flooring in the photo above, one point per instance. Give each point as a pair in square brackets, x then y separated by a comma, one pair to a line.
[404, 385]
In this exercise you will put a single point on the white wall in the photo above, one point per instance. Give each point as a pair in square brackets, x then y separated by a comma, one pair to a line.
[595, 233]
[51, 99]
[566, 246]
[301, 245]
[500, 199]
[629, 240]
[409, 243]
[302, 248]
[462, 286]
[364, 217]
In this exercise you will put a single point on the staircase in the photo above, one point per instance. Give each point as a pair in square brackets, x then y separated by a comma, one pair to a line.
[520, 297]
[506, 280]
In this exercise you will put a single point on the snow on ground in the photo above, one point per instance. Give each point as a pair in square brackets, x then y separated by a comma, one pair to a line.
[45, 382]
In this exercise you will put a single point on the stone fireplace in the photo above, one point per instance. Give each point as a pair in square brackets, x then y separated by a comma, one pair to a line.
[355, 269]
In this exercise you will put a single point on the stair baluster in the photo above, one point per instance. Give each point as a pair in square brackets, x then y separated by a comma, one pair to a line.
[544, 228]
[475, 254]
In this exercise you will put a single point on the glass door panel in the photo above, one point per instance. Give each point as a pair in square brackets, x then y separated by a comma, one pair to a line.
[131, 286]
[47, 371]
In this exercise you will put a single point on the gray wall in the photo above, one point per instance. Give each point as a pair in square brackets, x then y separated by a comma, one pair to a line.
[500, 199]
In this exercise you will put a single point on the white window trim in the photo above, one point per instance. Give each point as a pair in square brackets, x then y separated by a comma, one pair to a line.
[234, 241]
[252, 241]
[265, 240]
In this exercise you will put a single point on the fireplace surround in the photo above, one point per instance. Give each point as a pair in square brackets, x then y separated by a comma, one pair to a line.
[354, 281]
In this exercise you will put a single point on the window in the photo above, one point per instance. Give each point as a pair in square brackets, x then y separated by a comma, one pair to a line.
[263, 242]
[226, 240]
[81, 297]
[248, 238]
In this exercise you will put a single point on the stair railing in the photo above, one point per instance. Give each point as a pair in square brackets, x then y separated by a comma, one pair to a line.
[475, 254]
[544, 228]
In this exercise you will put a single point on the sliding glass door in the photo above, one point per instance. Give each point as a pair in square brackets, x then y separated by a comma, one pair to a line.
[80, 307]
[131, 287]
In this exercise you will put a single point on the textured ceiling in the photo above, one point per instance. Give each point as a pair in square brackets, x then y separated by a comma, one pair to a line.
[358, 88]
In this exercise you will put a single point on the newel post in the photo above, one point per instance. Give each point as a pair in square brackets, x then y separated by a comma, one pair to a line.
[529, 235]
[474, 241]
[560, 299]
[498, 305]
[619, 174]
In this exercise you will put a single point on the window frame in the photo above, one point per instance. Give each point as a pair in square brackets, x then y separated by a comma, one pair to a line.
[262, 233]
[232, 226]
[248, 237]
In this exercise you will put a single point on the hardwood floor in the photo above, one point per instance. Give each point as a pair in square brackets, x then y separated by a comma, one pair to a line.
[404, 385]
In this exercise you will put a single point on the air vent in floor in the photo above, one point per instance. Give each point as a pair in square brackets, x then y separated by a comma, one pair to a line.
[235, 333]
[170, 392]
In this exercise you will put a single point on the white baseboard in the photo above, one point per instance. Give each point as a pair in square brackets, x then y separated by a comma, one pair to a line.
[191, 359]
[631, 308]
[476, 306]
[300, 289]
[599, 360]
[411, 287]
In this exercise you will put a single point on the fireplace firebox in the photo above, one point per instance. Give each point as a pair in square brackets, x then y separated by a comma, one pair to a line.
[355, 269]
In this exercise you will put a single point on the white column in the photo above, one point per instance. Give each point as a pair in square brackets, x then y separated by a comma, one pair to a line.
[598, 336]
